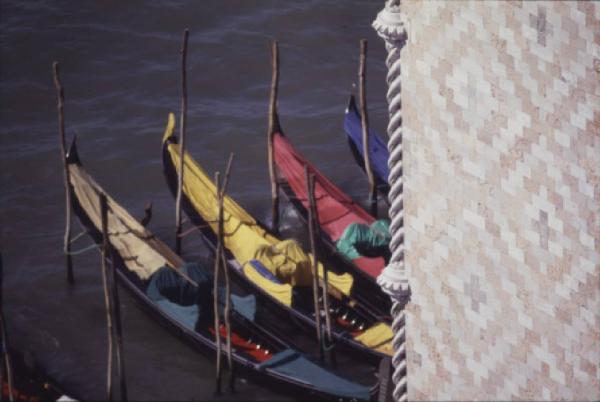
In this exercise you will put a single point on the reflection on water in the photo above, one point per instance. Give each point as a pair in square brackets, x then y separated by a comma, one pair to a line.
[120, 69]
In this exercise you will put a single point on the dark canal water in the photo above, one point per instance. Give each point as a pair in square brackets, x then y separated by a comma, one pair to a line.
[120, 70]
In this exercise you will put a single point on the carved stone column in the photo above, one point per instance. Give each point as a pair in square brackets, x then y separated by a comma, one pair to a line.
[393, 280]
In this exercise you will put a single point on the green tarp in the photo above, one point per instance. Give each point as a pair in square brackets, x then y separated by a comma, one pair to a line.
[360, 240]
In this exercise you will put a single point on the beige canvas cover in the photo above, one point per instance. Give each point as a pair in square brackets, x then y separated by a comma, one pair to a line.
[141, 251]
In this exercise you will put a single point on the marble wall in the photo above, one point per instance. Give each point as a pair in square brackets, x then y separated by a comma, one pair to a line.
[501, 130]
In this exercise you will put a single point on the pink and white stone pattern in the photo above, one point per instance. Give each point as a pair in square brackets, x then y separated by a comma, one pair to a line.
[501, 123]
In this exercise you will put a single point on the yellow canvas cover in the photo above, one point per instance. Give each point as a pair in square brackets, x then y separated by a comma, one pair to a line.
[378, 337]
[243, 237]
[141, 251]
[291, 263]
[280, 291]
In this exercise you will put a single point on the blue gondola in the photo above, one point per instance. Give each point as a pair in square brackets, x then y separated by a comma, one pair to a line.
[378, 149]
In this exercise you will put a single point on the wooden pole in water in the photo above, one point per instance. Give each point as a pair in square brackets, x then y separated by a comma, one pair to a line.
[315, 263]
[362, 72]
[107, 298]
[63, 153]
[274, 127]
[218, 255]
[316, 228]
[117, 317]
[182, 130]
[221, 234]
[6, 363]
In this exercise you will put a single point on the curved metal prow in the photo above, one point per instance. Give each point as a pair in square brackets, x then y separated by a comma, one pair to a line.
[72, 156]
[352, 101]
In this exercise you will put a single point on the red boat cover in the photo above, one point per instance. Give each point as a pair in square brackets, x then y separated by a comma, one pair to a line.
[335, 209]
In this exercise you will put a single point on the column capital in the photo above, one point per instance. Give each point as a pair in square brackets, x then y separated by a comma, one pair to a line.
[389, 23]
[394, 282]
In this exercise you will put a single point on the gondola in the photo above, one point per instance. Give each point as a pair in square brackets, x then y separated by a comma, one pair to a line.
[179, 296]
[278, 272]
[31, 381]
[338, 214]
[378, 150]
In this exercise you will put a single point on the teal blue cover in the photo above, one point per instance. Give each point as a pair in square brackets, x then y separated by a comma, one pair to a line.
[185, 303]
[292, 364]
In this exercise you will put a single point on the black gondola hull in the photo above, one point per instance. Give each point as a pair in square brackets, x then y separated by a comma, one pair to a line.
[136, 287]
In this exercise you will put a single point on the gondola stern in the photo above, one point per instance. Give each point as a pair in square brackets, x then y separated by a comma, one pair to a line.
[169, 135]
[169, 170]
[351, 104]
[277, 125]
[72, 156]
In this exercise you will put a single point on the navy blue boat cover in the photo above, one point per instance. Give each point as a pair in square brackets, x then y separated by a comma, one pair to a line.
[379, 152]
[186, 303]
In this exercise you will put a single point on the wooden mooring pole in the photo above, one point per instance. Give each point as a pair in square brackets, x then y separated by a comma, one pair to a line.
[107, 298]
[218, 255]
[314, 216]
[362, 72]
[315, 262]
[225, 266]
[273, 128]
[317, 229]
[6, 369]
[63, 153]
[113, 308]
[182, 131]
[386, 384]
[118, 332]
[221, 263]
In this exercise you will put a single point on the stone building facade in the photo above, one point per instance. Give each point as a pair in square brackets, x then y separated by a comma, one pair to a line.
[501, 123]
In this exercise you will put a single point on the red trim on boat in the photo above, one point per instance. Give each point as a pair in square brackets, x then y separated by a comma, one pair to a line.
[371, 266]
[248, 347]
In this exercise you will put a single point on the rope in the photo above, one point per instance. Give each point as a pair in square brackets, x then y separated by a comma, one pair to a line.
[74, 239]
[328, 348]
[192, 230]
[389, 26]
[83, 250]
